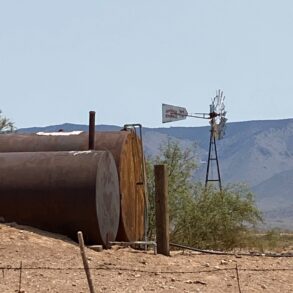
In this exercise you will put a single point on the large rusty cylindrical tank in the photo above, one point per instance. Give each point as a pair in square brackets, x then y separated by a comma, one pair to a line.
[126, 149]
[62, 192]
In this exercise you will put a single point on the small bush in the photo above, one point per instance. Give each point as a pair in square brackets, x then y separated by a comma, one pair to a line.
[217, 219]
[5, 124]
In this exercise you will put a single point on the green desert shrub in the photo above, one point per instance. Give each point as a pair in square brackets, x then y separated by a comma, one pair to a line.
[199, 216]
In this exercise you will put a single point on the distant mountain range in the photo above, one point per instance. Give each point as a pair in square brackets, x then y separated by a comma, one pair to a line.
[258, 153]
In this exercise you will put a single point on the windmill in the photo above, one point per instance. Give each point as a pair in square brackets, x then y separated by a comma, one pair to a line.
[217, 118]
[218, 126]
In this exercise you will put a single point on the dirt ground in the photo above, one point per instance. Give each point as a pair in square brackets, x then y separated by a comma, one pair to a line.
[52, 263]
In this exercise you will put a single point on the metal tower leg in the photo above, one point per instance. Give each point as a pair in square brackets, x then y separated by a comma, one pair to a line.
[209, 160]
[213, 147]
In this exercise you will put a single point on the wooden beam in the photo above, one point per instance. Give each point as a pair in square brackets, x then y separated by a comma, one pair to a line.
[162, 212]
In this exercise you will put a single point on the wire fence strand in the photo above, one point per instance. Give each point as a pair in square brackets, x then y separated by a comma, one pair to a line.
[109, 268]
[236, 269]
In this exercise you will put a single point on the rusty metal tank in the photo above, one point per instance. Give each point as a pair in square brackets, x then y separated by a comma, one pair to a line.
[126, 149]
[62, 192]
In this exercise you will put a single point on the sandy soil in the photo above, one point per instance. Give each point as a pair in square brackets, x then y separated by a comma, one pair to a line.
[52, 263]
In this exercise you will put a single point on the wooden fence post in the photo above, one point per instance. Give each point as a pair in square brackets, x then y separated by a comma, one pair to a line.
[162, 212]
[85, 262]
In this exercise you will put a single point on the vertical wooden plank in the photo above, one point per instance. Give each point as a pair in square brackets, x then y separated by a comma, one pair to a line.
[162, 212]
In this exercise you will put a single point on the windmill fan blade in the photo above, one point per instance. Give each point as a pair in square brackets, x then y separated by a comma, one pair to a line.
[222, 128]
[222, 108]
[219, 120]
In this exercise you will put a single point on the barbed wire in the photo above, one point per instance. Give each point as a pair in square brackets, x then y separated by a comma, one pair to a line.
[22, 268]
[145, 271]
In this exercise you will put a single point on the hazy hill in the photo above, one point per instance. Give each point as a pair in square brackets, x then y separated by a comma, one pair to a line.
[259, 153]
[68, 127]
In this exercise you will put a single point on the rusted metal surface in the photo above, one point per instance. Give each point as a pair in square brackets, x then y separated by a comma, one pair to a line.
[92, 126]
[126, 149]
[62, 192]
[43, 143]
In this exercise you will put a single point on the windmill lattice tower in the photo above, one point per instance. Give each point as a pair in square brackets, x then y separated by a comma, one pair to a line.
[217, 131]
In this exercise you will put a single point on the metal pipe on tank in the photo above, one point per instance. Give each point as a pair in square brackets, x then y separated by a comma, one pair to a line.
[62, 192]
[92, 129]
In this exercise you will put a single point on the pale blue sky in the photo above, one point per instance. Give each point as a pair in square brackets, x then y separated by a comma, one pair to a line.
[60, 59]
